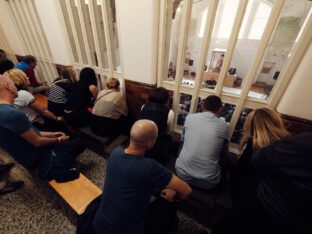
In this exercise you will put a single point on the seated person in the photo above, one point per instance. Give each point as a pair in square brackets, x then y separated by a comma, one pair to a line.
[130, 181]
[60, 90]
[81, 98]
[33, 148]
[278, 171]
[158, 110]
[39, 116]
[28, 65]
[5, 63]
[204, 135]
[109, 111]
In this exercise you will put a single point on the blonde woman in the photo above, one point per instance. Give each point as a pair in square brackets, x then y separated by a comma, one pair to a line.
[109, 111]
[39, 116]
[60, 90]
[262, 128]
[273, 180]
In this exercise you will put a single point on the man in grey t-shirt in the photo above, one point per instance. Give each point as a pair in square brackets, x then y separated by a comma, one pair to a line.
[204, 135]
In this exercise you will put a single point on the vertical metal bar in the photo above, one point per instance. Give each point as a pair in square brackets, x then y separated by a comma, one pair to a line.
[20, 27]
[109, 34]
[95, 34]
[204, 51]
[165, 23]
[44, 41]
[61, 15]
[269, 29]
[34, 37]
[297, 53]
[232, 42]
[73, 28]
[186, 15]
[84, 33]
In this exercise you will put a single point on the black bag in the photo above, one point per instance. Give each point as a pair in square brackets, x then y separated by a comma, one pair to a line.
[58, 165]
[161, 217]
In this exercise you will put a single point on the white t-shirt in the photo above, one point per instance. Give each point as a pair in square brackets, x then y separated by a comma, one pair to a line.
[23, 101]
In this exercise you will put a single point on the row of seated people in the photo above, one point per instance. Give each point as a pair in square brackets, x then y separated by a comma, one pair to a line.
[27, 65]
[271, 184]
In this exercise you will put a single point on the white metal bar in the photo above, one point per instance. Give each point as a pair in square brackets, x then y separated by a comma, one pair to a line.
[109, 34]
[101, 71]
[34, 34]
[297, 53]
[84, 32]
[204, 51]
[65, 30]
[73, 28]
[184, 27]
[18, 25]
[22, 29]
[95, 34]
[231, 45]
[162, 40]
[166, 10]
[34, 49]
[43, 41]
[269, 29]
[46, 53]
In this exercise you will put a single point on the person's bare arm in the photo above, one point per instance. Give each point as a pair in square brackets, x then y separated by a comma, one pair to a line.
[177, 187]
[44, 112]
[52, 134]
[93, 89]
[32, 137]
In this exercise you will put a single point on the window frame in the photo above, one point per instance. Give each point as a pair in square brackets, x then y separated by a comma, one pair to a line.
[242, 101]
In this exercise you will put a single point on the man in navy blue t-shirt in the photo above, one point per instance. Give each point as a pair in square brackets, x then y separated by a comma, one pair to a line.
[20, 139]
[130, 181]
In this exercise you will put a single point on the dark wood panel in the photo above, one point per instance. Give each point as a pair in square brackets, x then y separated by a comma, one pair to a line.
[137, 95]
[297, 125]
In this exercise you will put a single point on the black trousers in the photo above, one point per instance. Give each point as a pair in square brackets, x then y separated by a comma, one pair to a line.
[107, 127]
[249, 216]
[58, 161]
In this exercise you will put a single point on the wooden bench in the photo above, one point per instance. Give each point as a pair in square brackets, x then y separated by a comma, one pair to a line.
[100, 145]
[77, 193]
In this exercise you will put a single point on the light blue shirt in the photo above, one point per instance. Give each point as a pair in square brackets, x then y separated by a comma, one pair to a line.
[204, 136]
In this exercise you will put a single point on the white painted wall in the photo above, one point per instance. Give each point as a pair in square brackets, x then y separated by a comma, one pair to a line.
[138, 38]
[296, 101]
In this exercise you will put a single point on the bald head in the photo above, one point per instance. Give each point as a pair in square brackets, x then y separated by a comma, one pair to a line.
[5, 82]
[143, 134]
[8, 90]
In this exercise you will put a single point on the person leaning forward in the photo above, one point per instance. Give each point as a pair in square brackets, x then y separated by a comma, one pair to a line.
[51, 152]
[130, 181]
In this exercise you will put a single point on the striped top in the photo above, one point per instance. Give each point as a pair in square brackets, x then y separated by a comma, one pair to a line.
[60, 90]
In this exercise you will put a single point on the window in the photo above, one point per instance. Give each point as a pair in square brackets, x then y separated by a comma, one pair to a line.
[31, 33]
[93, 36]
[230, 46]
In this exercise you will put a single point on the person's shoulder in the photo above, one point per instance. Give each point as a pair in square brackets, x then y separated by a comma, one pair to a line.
[24, 94]
[13, 113]
[117, 152]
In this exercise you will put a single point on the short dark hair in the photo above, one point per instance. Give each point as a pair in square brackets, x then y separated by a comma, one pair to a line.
[30, 59]
[159, 95]
[87, 77]
[212, 103]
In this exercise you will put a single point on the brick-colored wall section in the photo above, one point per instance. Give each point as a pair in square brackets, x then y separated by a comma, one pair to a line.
[137, 95]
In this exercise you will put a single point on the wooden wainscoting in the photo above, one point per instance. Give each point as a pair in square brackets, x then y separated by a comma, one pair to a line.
[137, 95]
[297, 125]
